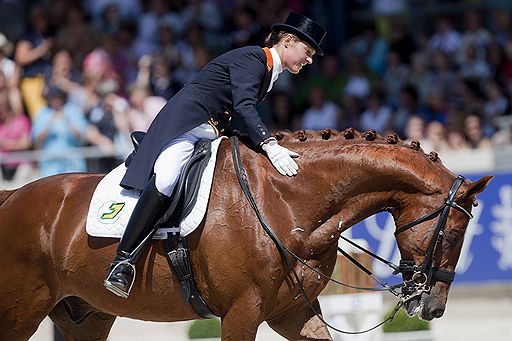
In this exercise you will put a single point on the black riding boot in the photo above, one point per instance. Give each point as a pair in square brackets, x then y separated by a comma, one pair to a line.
[146, 213]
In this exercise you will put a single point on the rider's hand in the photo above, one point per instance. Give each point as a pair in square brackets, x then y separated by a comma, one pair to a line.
[280, 157]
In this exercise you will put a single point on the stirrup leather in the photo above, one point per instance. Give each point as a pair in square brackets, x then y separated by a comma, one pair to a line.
[115, 289]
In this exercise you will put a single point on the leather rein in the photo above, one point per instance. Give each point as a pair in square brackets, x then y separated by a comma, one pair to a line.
[421, 275]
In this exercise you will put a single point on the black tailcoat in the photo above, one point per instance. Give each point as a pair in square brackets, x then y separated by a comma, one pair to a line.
[235, 81]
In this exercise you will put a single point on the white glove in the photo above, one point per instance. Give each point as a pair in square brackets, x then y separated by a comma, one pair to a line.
[281, 157]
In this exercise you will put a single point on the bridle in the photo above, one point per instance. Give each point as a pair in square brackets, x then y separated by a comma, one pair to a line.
[421, 275]
[428, 270]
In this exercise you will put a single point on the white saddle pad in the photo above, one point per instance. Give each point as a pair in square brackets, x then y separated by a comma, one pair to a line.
[111, 205]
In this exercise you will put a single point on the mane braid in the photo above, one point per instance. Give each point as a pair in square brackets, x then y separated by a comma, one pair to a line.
[349, 136]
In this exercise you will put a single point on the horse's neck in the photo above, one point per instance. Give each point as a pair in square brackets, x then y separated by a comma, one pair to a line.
[355, 182]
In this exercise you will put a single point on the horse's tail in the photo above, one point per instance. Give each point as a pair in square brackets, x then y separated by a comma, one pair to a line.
[4, 195]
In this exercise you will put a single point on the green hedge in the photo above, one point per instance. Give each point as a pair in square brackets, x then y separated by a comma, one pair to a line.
[404, 323]
[203, 329]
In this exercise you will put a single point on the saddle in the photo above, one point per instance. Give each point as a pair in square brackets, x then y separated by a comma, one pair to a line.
[181, 203]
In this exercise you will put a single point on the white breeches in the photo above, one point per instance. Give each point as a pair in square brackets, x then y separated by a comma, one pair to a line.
[174, 156]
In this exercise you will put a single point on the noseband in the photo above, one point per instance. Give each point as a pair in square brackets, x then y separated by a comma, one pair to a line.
[422, 275]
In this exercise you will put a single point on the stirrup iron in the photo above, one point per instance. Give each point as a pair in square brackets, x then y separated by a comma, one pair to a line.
[115, 289]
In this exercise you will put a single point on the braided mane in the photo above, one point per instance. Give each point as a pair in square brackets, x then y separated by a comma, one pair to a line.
[349, 135]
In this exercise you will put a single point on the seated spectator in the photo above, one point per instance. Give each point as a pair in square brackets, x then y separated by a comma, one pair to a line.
[108, 128]
[395, 77]
[414, 130]
[445, 39]
[57, 128]
[474, 133]
[443, 72]
[377, 115]
[456, 140]
[408, 106]
[496, 104]
[435, 138]
[420, 76]
[14, 135]
[475, 35]
[322, 114]
[473, 67]
[143, 108]
[437, 106]
[370, 48]
[358, 85]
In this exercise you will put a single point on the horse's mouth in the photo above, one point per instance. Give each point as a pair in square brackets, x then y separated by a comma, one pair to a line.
[423, 307]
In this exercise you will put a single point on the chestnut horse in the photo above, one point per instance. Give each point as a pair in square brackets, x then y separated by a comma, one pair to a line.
[50, 266]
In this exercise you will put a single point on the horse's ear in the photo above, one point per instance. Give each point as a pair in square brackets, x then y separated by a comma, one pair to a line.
[477, 187]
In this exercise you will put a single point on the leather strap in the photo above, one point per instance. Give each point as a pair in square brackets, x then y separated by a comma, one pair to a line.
[270, 60]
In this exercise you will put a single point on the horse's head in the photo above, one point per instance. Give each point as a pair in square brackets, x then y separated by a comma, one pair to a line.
[430, 232]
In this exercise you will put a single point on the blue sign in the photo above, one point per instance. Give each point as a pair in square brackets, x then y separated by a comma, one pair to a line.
[487, 250]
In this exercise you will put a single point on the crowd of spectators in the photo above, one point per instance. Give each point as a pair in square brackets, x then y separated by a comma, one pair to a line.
[88, 73]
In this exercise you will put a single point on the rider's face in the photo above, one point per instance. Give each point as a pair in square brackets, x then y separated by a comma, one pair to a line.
[296, 54]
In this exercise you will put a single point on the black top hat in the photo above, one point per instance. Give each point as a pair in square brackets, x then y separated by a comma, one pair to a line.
[304, 28]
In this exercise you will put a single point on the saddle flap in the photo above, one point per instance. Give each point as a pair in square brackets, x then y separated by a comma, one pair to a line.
[185, 193]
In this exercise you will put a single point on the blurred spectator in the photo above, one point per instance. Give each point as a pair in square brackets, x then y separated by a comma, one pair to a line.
[282, 114]
[370, 48]
[420, 77]
[414, 130]
[167, 44]
[205, 13]
[33, 53]
[158, 14]
[14, 135]
[350, 112]
[7, 66]
[156, 75]
[475, 35]
[402, 42]
[321, 114]
[189, 49]
[330, 79]
[98, 66]
[474, 133]
[245, 28]
[358, 84]
[445, 39]
[437, 106]
[472, 66]
[456, 140]
[143, 108]
[12, 94]
[77, 36]
[128, 9]
[395, 77]
[435, 137]
[62, 73]
[443, 72]
[57, 128]
[108, 128]
[377, 115]
[408, 106]
[496, 104]
[501, 26]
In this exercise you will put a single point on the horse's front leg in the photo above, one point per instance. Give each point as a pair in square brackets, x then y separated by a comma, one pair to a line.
[243, 318]
[301, 325]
